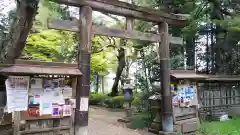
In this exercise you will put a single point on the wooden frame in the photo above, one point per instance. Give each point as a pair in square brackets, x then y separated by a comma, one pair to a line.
[112, 32]
[86, 30]
[46, 68]
[128, 10]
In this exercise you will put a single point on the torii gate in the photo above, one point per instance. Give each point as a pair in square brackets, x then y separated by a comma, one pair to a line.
[86, 29]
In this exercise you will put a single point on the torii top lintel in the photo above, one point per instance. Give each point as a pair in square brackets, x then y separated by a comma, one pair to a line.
[128, 10]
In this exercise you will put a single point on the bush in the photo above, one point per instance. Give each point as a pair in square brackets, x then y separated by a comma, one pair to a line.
[97, 98]
[118, 101]
[137, 103]
[139, 121]
[114, 102]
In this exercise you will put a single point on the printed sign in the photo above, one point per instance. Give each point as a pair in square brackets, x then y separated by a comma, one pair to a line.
[84, 104]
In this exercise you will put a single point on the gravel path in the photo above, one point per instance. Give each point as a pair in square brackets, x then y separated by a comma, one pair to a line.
[104, 122]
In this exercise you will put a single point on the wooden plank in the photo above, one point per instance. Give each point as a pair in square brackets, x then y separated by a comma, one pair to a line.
[113, 32]
[44, 130]
[125, 9]
[16, 123]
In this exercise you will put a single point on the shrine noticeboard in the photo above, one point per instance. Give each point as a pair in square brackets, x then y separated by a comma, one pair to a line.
[185, 95]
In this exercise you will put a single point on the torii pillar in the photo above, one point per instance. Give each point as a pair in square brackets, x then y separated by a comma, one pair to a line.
[83, 84]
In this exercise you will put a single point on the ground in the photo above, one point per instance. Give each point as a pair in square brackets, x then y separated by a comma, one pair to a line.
[104, 122]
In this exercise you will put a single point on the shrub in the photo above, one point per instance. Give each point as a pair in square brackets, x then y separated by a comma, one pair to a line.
[114, 102]
[118, 101]
[137, 103]
[139, 121]
[97, 98]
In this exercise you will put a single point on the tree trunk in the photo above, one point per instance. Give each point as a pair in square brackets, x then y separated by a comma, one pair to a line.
[102, 78]
[97, 82]
[190, 50]
[121, 65]
[145, 72]
[22, 24]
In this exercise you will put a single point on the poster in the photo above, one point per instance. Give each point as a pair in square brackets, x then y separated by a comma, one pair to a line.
[67, 92]
[84, 104]
[185, 96]
[45, 108]
[35, 91]
[67, 110]
[56, 110]
[34, 100]
[36, 83]
[32, 112]
[17, 93]
[47, 83]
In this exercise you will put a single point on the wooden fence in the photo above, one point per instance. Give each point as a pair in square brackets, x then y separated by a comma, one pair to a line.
[217, 98]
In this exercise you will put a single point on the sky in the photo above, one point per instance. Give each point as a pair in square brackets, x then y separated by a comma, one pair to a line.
[7, 6]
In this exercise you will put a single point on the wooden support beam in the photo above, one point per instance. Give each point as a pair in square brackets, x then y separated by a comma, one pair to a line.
[83, 83]
[128, 10]
[166, 102]
[112, 32]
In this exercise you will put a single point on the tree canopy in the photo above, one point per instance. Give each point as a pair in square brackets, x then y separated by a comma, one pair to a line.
[211, 41]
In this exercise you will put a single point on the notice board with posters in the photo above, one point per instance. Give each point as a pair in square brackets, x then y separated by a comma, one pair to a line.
[41, 97]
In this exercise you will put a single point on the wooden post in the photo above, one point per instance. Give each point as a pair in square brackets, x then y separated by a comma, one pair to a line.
[167, 112]
[16, 123]
[83, 84]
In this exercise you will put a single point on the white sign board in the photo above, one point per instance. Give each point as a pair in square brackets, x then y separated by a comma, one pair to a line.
[17, 93]
[84, 104]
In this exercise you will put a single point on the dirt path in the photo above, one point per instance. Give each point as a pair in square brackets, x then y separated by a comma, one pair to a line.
[104, 122]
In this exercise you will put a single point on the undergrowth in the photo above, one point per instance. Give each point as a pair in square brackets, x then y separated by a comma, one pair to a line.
[230, 127]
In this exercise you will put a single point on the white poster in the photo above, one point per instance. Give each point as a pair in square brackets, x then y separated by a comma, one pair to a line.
[53, 96]
[45, 108]
[17, 93]
[67, 92]
[84, 104]
[67, 110]
[36, 83]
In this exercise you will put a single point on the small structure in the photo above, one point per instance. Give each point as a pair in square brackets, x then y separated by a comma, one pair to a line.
[41, 96]
[184, 101]
[219, 94]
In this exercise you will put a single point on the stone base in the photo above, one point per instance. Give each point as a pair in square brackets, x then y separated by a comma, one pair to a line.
[167, 133]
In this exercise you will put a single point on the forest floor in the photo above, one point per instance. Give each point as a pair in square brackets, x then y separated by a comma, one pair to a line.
[104, 122]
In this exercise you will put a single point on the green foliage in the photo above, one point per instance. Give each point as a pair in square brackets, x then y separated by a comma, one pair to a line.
[230, 127]
[97, 99]
[61, 46]
[49, 10]
[137, 103]
[114, 102]
[49, 45]
[139, 121]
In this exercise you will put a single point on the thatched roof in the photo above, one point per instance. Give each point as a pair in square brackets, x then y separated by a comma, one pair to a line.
[40, 68]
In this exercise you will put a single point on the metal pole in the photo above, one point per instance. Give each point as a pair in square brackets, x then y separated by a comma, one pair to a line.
[166, 106]
[83, 83]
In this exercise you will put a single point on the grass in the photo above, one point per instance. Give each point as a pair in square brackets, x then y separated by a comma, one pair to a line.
[230, 127]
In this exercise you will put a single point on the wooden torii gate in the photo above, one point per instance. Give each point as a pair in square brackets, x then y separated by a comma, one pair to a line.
[86, 29]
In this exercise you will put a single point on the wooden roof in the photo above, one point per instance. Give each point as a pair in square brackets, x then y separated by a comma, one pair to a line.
[187, 74]
[223, 78]
[191, 74]
[40, 68]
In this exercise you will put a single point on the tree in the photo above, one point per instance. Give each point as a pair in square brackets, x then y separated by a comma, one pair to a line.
[20, 27]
